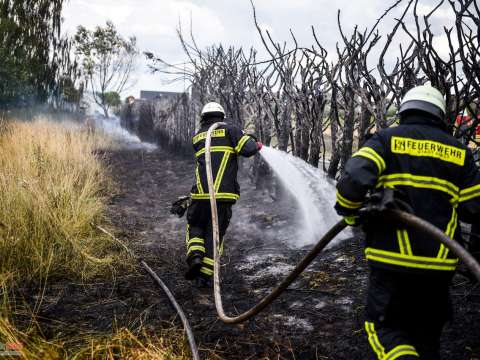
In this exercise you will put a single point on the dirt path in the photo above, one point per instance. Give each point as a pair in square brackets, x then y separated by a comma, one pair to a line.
[319, 317]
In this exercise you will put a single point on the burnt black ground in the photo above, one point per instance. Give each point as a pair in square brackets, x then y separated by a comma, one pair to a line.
[319, 317]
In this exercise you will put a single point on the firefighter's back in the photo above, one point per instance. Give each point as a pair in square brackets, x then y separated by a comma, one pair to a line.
[427, 165]
[408, 300]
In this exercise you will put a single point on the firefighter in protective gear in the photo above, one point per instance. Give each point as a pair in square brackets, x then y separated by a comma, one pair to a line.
[228, 142]
[410, 273]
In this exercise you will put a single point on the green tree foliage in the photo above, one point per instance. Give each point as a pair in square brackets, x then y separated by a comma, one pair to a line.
[35, 59]
[112, 98]
[108, 61]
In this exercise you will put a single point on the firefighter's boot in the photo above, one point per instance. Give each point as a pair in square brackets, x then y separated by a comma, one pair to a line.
[203, 282]
[195, 264]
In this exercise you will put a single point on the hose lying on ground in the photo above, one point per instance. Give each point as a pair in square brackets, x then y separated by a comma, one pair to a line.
[403, 218]
[166, 290]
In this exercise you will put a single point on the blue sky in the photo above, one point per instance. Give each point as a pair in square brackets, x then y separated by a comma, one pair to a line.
[154, 23]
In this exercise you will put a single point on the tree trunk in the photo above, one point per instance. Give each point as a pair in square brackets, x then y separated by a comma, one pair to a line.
[365, 117]
[105, 111]
[305, 144]
[348, 126]
[335, 158]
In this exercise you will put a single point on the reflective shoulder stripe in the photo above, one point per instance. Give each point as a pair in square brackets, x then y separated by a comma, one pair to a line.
[428, 148]
[374, 340]
[218, 196]
[425, 182]
[469, 193]
[228, 149]
[401, 350]
[242, 143]
[371, 154]
[412, 261]
[347, 203]
[203, 135]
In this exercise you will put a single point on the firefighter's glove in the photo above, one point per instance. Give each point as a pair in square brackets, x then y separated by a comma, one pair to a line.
[180, 206]
[351, 217]
[352, 220]
[259, 145]
[386, 199]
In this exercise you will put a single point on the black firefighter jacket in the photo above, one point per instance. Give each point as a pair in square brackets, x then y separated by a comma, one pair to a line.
[227, 143]
[438, 176]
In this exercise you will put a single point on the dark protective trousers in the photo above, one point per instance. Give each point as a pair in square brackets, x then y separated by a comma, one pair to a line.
[406, 313]
[474, 241]
[199, 237]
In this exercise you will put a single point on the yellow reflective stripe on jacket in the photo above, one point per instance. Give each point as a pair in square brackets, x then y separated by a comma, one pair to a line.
[347, 203]
[469, 193]
[222, 196]
[412, 261]
[401, 350]
[425, 182]
[450, 232]
[216, 149]
[374, 340]
[428, 148]
[242, 143]
[371, 154]
[199, 181]
[404, 242]
[203, 135]
[221, 171]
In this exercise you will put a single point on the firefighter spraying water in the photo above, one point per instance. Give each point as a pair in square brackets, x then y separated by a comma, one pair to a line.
[229, 142]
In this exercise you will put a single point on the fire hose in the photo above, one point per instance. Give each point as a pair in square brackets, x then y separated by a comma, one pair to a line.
[402, 218]
[166, 290]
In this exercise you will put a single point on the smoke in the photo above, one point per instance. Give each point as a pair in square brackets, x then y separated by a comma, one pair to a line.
[313, 191]
[112, 127]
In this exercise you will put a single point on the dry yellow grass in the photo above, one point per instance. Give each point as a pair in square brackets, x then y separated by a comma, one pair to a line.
[53, 185]
[123, 344]
[51, 189]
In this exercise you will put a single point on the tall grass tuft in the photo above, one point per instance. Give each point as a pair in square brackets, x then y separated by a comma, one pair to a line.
[123, 344]
[52, 185]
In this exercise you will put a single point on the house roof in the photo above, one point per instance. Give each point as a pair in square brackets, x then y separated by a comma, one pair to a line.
[152, 95]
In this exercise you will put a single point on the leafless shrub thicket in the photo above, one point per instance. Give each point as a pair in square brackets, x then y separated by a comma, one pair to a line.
[320, 106]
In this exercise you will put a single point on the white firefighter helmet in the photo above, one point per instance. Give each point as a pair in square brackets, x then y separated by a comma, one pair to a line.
[213, 108]
[425, 98]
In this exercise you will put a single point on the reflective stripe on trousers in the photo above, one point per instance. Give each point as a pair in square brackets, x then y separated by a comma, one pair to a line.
[399, 351]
